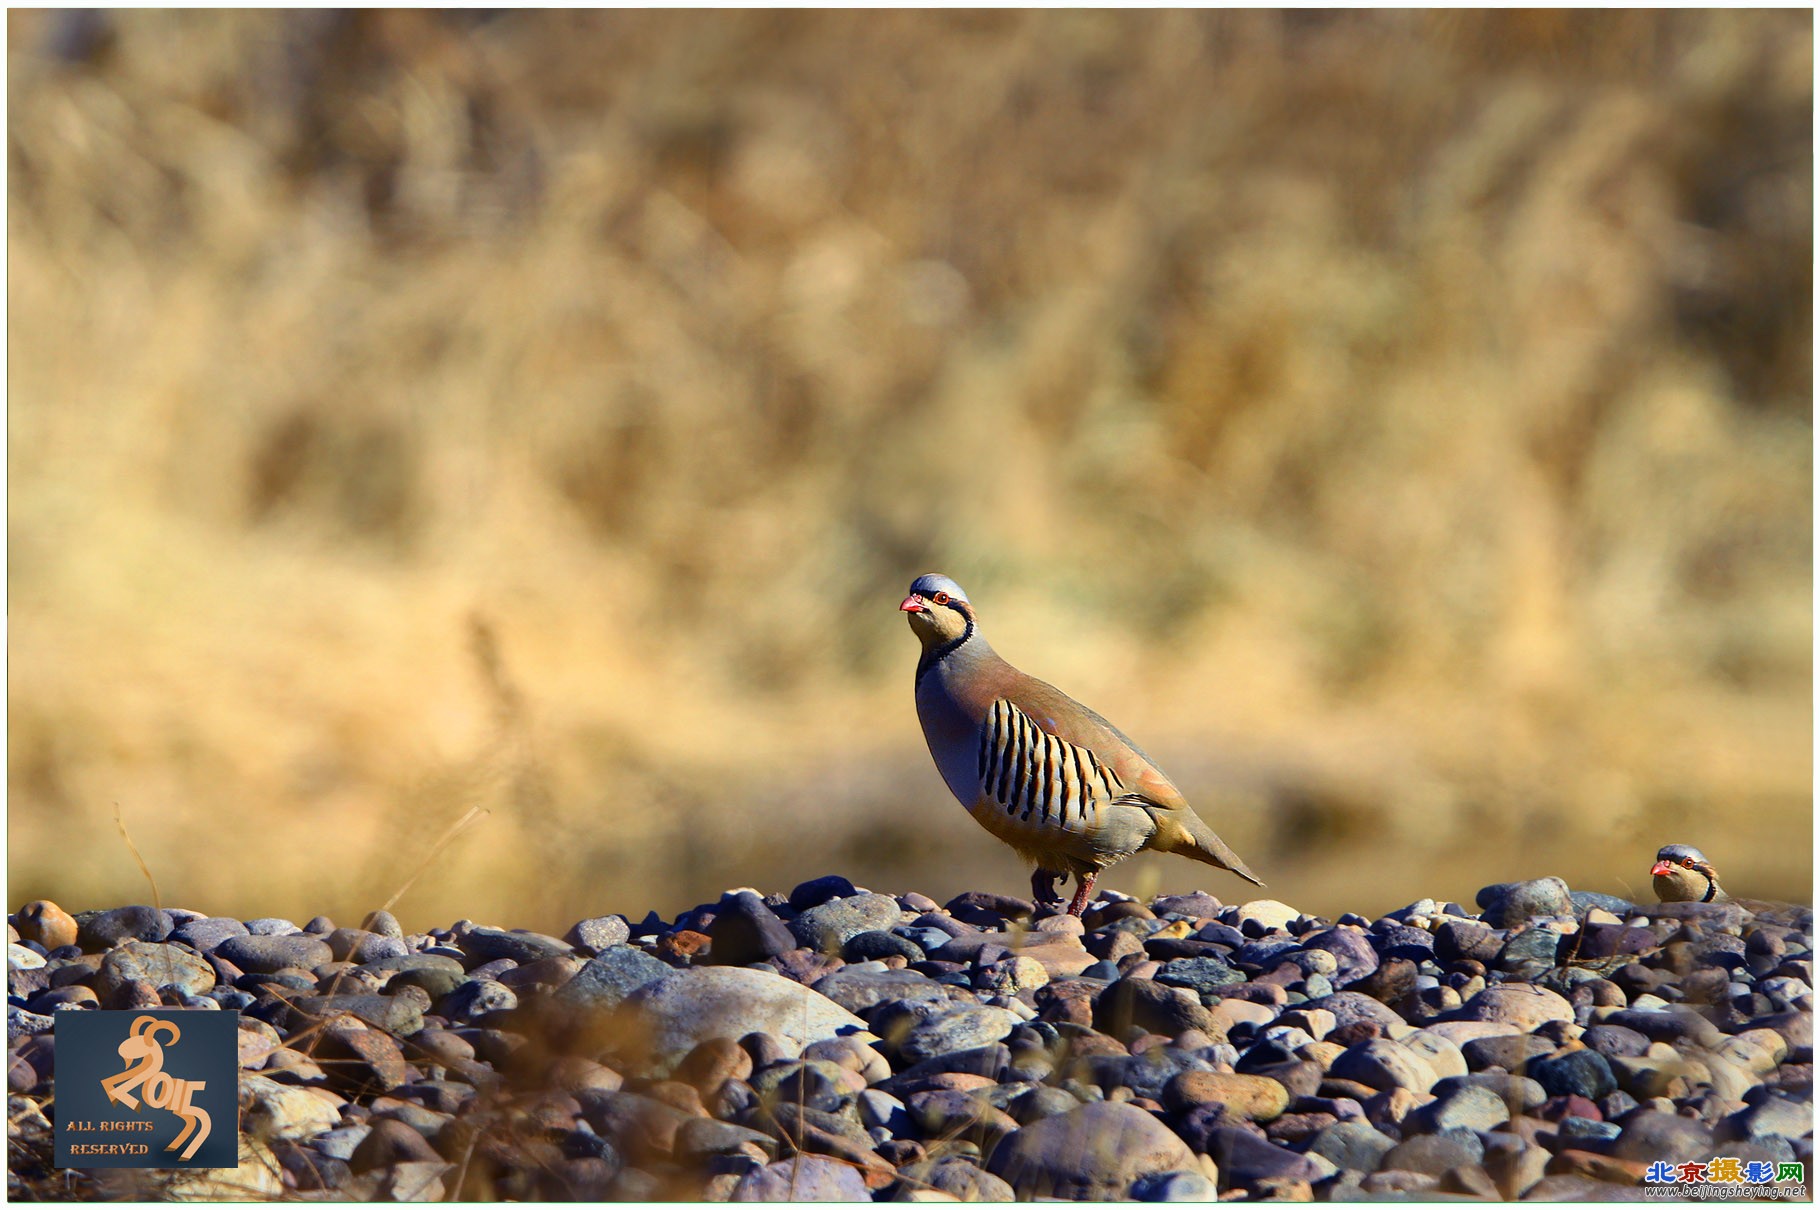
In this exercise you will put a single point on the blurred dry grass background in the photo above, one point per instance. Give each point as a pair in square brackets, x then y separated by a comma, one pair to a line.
[1399, 421]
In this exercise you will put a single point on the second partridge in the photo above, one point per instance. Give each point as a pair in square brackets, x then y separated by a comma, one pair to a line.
[1034, 767]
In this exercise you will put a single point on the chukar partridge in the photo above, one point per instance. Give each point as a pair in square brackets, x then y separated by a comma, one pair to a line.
[1682, 874]
[1038, 770]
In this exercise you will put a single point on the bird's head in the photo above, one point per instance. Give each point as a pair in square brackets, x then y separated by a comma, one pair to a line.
[937, 608]
[1681, 873]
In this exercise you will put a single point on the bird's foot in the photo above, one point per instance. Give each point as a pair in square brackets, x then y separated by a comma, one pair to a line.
[1042, 889]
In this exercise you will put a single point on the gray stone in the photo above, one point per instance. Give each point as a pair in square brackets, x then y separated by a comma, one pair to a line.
[489, 945]
[858, 990]
[1351, 1007]
[1649, 1136]
[1583, 1073]
[598, 934]
[687, 1007]
[1152, 1007]
[476, 997]
[266, 953]
[1383, 1064]
[1354, 1144]
[1772, 1116]
[698, 1138]
[879, 944]
[1512, 1052]
[1614, 1041]
[1587, 900]
[803, 1178]
[1523, 1005]
[1468, 1107]
[1510, 904]
[160, 965]
[272, 1110]
[1247, 1161]
[828, 926]
[746, 931]
[1094, 1152]
[964, 1027]
[818, 891]
[1175, 1187]
[1353, 954]
[1520, 1093]
[270, 926]
[609, 977]
[1434, 1154]
[1536, 946]
[1580, 1130]
[204, 934]
[1203, 976]
[339, 1144]
[399, 1015]
[361, 945]
[141, 922]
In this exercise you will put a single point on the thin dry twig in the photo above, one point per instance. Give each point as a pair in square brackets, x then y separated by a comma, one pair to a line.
[120, 822]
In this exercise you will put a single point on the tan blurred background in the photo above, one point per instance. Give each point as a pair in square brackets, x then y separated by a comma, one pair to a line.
[1399, 422]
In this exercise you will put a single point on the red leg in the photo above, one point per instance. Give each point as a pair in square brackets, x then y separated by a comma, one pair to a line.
[1083, 891]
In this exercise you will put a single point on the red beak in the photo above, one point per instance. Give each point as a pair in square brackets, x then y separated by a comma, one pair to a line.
[912, 604]
[1661, 868]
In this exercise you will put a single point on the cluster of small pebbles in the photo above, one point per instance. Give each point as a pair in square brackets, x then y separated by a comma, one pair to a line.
[837, 1044]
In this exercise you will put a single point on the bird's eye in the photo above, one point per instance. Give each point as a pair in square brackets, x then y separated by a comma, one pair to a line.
[1688, 862]
[940, 598]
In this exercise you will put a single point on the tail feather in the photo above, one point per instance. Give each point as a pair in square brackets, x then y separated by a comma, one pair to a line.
[1187, 834]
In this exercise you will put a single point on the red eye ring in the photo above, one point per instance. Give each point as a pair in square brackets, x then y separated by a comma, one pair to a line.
[940, 598]
[1688, 862]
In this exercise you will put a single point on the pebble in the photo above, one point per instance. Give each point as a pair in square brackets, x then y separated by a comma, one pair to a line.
[892, 1049]
[1094, 1152]
[266, 953]
[46, 924]
[828, 926]
[689, 1006]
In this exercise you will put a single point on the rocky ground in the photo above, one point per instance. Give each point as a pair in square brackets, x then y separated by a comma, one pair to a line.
[836, 1044]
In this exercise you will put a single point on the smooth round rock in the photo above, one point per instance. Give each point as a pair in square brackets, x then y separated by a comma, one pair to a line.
[746, 931]
[160, 965]
[687, 1007]
[803, 1178]
[1254, 1098]
[1434, 1154]
[1203, 976]
[1520, 1004]
[818, 891]
[140, 922]
[269, 953]
[965, 1027]
[1353, 1145]
[1094, 1152]
[828, 926]
[207, 932]
[1511, 904]
[1383, 1064]
[1583, 1073]
[599, 933]
[489, 945]
[609, 977]
[47, 924]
